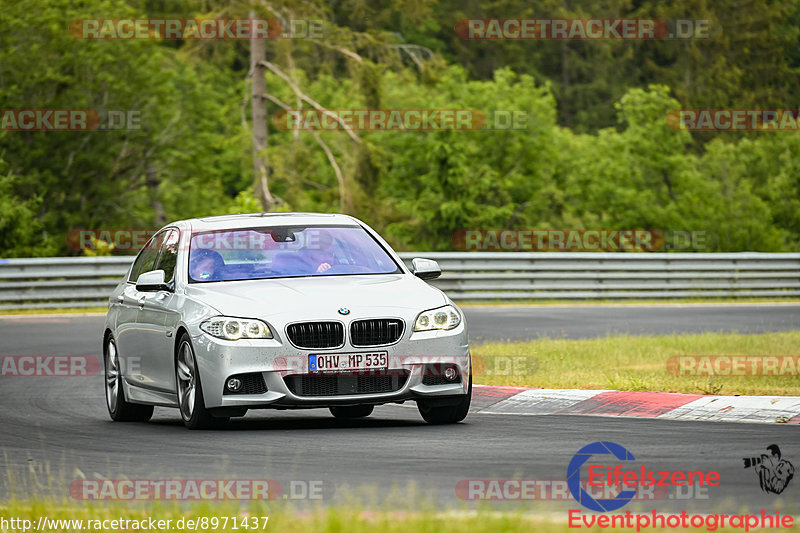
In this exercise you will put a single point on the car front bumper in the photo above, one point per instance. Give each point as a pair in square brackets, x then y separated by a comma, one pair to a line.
[415, 357]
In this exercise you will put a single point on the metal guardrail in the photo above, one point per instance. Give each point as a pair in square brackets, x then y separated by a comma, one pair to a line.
[87, 281]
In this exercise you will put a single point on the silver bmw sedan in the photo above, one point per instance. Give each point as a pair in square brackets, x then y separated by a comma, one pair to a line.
[287, 311]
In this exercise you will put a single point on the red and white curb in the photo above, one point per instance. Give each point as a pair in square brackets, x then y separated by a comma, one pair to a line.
[661, 405]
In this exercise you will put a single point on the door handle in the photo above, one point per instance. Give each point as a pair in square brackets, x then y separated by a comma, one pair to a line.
[120, 298]
[141, 302]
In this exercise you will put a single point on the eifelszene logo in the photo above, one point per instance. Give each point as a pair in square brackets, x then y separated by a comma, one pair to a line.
[574, 476]
[630, 479]
[774, 473]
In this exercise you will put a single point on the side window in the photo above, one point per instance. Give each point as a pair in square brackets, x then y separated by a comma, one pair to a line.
[169, 255]
[146, 261]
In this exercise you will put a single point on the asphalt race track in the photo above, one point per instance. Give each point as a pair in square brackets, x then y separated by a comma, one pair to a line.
[489, 323]
[392, 458]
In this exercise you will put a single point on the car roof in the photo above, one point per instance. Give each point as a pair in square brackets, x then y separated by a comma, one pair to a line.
[252, 220]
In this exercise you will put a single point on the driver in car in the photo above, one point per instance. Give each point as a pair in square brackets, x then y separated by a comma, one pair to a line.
[320, 251]
[205, 265]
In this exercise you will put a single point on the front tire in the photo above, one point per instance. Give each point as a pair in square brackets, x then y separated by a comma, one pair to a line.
[446, 414]
[119, 408]
[190, 390]
[352, 411]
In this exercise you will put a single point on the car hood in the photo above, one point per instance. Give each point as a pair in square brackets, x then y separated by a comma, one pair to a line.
[318, 297]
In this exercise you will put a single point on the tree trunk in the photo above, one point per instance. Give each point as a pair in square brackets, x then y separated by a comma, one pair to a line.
[258, 54]
[564, 103]
[152, 182]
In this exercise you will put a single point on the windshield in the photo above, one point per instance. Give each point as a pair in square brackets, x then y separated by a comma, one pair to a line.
[281, 252]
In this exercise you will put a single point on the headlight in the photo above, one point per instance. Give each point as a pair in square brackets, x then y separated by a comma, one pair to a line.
[442, 318]
[232, 329]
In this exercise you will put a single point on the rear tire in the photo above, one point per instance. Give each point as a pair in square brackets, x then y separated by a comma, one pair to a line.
[446, 414]
[352, 411]
[190, 390]
[119, 408]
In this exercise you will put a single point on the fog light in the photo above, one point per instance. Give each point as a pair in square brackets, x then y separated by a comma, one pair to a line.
[450, 373]
[234, 384]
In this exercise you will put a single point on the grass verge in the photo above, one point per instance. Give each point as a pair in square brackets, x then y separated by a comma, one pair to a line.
[634, 363]
[284, 519]
[54, 311]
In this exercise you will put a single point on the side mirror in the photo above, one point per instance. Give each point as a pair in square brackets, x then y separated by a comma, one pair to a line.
[152, 281]
[425, 268]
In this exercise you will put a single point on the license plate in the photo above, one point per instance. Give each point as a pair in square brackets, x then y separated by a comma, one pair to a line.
[345, 362]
